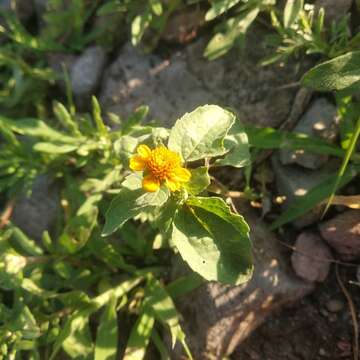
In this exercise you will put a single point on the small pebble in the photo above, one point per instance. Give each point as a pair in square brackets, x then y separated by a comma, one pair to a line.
[324, 312]
[334, 305]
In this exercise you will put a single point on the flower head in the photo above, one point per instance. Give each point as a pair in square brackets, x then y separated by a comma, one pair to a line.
[159, 165]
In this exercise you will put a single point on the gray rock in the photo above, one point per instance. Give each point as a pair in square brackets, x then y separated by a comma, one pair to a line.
[167, 86]
[218, 318]
[37, 213]
[342, 233]
[174, 86]
[59, 61]
[40, 7]
[311, 258]
[334, 9]
[334, 305]
[319, 121]
[86, 72]
[23, 8]
[293, 182]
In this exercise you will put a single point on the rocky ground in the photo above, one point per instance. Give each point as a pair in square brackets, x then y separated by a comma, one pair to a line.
[294, 307]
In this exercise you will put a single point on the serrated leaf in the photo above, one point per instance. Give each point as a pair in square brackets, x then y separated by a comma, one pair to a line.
[157, 198]
[237, 144]
[201, 133]
[107, 333]
[214, 242]
[199, 180]
[218, 206]
[292, 11]
[340, 73]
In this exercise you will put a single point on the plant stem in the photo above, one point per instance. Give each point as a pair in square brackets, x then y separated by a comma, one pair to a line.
[347, 157]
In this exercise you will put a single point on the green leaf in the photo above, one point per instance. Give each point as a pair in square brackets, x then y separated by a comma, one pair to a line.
[340, 73]
[219, 7]
[269, 138]
[157, 198]
[199, 180]
[184, 285]
[292, 11]
[110, 8]
[95, 304]
[121, 209]
[237, 143]
[156, 7]
[102, 129]
[135, 118]
[213, 240]
[139, 337]
[22, 242]
[107, 333]
[78, 230]
[313, 197]
[218, 207]
[139, 25]
[78, 343]
[160, 346]
[37, 128]
[349, 151]
[234, 32]
[201, 133]
[24, 321]
[65, 118]
[130, 202]
[54, 148]
[157, 298]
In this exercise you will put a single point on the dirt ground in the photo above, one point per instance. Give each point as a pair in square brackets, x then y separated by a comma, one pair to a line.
[308, 330]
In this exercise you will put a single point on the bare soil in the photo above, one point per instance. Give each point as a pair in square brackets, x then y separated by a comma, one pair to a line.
[308, 330]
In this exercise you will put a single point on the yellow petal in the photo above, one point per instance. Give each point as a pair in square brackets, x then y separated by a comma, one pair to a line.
[150, 183]
[137, 163]
[181, 174]
[144, 151]
[172, 184]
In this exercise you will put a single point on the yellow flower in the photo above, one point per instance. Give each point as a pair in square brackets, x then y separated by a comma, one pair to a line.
[159, 165]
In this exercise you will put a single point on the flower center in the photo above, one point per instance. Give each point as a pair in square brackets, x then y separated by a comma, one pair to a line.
[161, 162]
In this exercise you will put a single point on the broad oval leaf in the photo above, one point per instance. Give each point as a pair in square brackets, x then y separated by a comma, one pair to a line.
[213, 241]
[340, 73]
[237, 144]
[199, 180]
[201, 133]
[131, 201]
